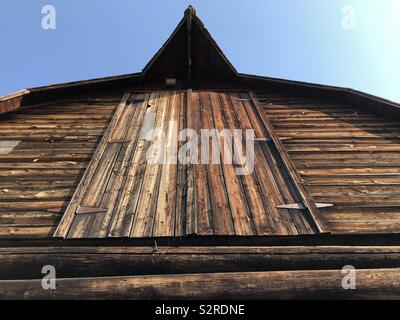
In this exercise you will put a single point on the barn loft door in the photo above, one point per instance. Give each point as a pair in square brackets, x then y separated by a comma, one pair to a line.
[118, 183]
[123, 194]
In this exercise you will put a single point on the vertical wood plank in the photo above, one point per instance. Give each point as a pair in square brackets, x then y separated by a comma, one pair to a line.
[191, 214]
[166, 205]
[202, 190]
[180, 211]
[241, 214]
[222, 216]
[126, 209]
[145, 211]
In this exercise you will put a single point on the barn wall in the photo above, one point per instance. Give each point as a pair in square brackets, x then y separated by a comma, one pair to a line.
[346, 156]
[55, 144]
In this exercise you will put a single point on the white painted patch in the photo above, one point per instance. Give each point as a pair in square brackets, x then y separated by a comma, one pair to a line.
[7, 146]
[148, 125]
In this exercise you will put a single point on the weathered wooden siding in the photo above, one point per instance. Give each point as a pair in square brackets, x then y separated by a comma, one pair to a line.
[57, 141]
[346, 156]
[134, 198]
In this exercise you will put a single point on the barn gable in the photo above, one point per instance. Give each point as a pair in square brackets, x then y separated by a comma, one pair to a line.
[194, 53]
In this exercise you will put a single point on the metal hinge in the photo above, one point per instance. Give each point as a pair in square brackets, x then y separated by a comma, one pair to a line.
[89, 210]
[301, 206]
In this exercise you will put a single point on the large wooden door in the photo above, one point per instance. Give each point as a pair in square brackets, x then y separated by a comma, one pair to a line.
[123, 194]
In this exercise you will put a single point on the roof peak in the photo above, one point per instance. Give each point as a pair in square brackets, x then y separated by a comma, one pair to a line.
[189, 53]
[190, 10]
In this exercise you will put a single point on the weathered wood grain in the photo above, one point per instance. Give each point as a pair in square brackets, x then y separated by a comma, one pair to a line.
[371, 284]
[143, 199]
[65, 224]
[71, 262]
[345, 156]
[42, 172]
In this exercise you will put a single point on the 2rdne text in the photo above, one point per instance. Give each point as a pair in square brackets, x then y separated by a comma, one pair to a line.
[209, 309]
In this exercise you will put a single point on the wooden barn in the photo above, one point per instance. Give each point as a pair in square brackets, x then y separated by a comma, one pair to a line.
[77, 193]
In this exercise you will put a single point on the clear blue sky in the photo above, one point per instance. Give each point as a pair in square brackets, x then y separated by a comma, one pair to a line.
[291, 39]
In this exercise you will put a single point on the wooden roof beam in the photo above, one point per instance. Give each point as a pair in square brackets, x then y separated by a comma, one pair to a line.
[300, 284]
[189, 13]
